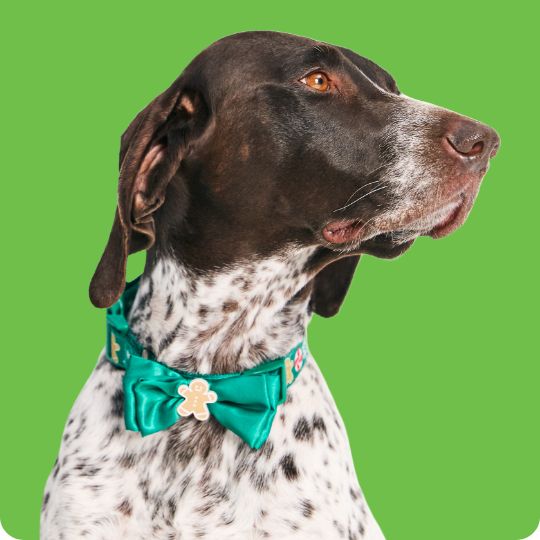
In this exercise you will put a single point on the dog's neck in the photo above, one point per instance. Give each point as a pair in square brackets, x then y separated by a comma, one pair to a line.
[225, 320]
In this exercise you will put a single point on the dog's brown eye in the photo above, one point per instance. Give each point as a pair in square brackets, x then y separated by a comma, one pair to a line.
[317, 80]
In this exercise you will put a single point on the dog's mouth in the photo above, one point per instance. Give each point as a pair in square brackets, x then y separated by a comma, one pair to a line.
[352, 233]
[343, 231]
[453, 214]
[436, 223]
[455, 217]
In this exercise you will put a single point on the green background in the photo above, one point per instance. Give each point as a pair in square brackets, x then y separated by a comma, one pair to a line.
[433, 359]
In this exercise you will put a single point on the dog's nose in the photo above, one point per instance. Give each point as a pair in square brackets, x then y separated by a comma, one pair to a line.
[471, 142]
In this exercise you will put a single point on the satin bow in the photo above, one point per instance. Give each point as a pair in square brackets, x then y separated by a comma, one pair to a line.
[246, 402]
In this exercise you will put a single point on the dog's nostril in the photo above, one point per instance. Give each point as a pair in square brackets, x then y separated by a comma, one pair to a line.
[466, 147]
[470, 142]
[477, 148]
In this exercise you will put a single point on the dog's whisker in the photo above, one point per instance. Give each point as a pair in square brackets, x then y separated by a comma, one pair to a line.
[360, 198]
[363, 186]
[360, 189]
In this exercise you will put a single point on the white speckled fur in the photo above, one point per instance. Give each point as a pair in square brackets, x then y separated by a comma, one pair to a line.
[110, 483]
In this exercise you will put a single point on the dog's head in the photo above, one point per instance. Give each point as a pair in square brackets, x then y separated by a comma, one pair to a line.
[268, 139]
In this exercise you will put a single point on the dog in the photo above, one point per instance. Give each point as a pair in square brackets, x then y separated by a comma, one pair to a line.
[254, 183]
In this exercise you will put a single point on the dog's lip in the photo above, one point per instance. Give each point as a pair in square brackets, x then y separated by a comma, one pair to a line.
[453, 220]
[344, 230]
[356, 230]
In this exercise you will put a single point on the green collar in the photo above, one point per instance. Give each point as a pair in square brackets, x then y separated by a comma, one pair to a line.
[157, 396]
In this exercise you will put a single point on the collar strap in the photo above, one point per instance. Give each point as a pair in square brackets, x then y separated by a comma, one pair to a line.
[157, 396]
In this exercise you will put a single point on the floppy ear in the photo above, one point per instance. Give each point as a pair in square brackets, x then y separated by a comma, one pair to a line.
[151, 150]
[330, 285]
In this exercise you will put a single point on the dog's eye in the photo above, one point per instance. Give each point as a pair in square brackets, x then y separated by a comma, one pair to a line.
[317, 80]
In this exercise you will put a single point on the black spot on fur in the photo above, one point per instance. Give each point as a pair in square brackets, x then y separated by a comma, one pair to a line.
[339, 528]
[125, 508]
[215, 492]
[145, 298]
[143, 486]
[81, 428]
[292, 525]
[307, 508]
[227, 519]
[229, 306]
[157, 508]
[86, 470]
[183, 486]
[288, 466]
[259, 481]
[303, 430]
[205, 508]
[170, 307]
[241, 469]
[267, 449]
[171, 505]
[128, 460]
[113, 433]
[117, 403]
[168, 339]
[318, 424]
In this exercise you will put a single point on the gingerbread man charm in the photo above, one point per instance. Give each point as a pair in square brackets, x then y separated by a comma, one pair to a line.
[114, 349]
[196, 395]
[289, 372]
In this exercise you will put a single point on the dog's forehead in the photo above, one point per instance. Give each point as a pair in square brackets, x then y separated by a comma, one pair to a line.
[260, 54]
[261, 44]
[256, 54]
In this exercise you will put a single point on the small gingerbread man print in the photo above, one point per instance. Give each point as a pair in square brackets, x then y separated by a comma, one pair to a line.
[298, 357]
[288, 366]
[197, 395]
[114, 349]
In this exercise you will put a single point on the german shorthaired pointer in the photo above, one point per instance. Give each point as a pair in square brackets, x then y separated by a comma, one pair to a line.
[255, 181]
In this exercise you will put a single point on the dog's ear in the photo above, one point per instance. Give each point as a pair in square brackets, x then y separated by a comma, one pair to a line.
[330, 285]
[151, 150]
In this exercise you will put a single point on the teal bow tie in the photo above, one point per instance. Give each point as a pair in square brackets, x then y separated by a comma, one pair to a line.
[156, 396]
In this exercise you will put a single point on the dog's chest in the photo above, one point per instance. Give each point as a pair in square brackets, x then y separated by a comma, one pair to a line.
[202, 482]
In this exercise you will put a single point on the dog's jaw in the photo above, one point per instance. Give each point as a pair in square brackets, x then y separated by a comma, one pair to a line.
[227, 319]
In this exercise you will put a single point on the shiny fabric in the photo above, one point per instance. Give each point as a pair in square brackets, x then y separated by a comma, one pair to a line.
[246, 404]
[246, 401]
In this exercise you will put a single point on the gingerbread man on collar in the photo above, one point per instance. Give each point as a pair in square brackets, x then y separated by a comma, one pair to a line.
[196, 398]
